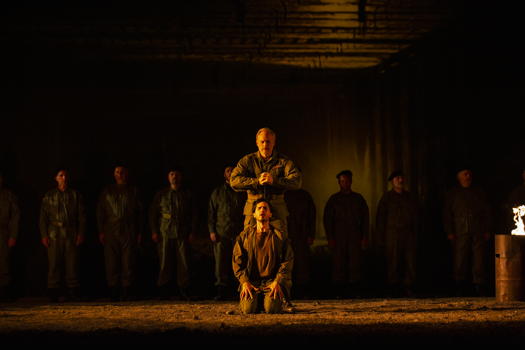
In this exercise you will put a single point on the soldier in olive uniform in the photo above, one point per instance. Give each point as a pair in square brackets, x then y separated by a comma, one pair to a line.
[62, 226]
[266, 173]
[173, 223]
[467, 221]
[346, 223]
[9, 219]
[225, 222]
[262, 262]
[301, 231]
[396, 229]
[120, 220]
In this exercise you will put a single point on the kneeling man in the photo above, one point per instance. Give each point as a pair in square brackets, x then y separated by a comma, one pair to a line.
[262, 262]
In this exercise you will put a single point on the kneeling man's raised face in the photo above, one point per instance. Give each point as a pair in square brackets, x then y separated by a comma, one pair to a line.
[262, 212]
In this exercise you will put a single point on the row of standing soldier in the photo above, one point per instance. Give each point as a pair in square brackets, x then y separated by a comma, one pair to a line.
[262, 174]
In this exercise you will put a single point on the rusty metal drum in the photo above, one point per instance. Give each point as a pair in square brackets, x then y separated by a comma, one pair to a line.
[509, 267]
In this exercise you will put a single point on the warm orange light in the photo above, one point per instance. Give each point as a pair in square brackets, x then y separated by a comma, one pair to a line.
[519, 212]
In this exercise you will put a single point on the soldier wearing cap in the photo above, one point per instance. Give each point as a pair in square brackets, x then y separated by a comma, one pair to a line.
[467, 220]
[396, 230]
[173, 223]
[266, 173]
[9, 220]
[62, 226]
[346, 224]
[120, 220]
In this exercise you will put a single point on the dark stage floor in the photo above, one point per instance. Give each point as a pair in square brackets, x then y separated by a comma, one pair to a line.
[362, 321]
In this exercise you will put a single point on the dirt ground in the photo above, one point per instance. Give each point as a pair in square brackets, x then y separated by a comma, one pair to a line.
[371, 321]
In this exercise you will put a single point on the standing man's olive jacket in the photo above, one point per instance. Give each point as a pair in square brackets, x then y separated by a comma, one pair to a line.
[62, 214]
[119, 211]
[286, 176]
[244, 261]
[173, 213]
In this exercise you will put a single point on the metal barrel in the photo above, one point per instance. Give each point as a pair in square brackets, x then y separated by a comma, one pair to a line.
[509, 267]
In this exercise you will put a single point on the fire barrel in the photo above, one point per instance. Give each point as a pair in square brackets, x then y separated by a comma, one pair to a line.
[509, 267]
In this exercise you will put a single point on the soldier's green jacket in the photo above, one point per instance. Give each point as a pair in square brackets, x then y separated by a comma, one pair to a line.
[286, 176]
[119, 211]
[346, 215]
[244, 261]
[173, 213]
[225, 209]
[396, 214]
[467, 211]
[62, 214]
[9, 214]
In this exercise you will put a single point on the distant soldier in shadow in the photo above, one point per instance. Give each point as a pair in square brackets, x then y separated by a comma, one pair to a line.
[467, 221]
[173, 223]
[346, 223]
[62, 228]
[396, 229]
[120, 220]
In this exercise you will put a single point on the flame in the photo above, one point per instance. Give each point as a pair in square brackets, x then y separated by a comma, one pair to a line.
[519, 212]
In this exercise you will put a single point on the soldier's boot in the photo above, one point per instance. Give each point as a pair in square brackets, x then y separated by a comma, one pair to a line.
[53, 294]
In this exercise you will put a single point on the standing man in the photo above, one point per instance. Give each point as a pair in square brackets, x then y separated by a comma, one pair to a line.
[9, 219]
[262, 262]
[62, 228]
[173, 223]
[301, 231]
[120, 219]
[266, 173]
[346, 223]
[396, 229]
[225, 222]
[467, 221]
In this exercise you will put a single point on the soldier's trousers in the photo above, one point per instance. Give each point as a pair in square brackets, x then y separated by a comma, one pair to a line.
[470, 253]
[174, 255]
[5, 277]
[401, 258]
[346, 260]
[223, 251]
[62, 256]
[120, 255]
